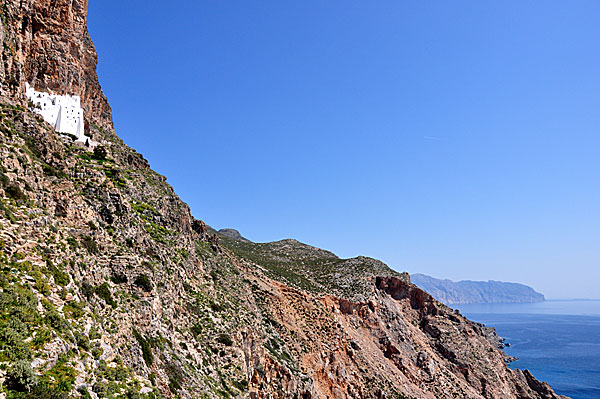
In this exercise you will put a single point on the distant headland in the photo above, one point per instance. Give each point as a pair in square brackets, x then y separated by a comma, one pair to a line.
[463, 292]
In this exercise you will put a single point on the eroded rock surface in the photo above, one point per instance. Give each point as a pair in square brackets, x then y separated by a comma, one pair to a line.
[47, 44]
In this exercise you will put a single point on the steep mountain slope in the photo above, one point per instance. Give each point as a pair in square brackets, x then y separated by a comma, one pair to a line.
[451, 292]
[313, 269]
[109, 287]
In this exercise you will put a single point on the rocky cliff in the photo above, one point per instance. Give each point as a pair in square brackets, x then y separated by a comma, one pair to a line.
[460, 292]
[109, 288]
[47, 44]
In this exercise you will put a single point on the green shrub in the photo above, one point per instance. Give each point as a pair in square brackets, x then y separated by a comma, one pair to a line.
[85, 394]
[7, 212]
[73, 244]
[61, 377]
[90, 244]
[242, 385]
[13, 191]
[118, 373]
[196, 330]
[215, 307]
[21, 376]
[96, 352]
[74, 309]
[40, 391]
[103, 292]
[101, 389]
[55, 320]
[99, 153]
[87, 290]
[13, 344]
[144, 282]
[82, 341]
[175, 375]
[42, 336]
[94, 334]
[4, 180]
[225, 340]
[60, 277]
[118, 277]
[145, 345]
[40, 283]
[18, 316]
[115, 176]
[50, 170]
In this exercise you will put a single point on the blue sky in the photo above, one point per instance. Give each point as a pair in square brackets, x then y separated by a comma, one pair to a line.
[457, 139]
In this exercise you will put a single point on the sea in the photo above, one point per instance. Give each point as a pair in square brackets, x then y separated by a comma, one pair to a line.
[557, 340]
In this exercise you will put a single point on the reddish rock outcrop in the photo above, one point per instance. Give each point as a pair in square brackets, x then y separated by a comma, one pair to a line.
[401, 342]
[47, 44]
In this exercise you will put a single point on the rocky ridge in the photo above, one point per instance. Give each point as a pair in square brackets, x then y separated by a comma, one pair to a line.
[109, 288]
[232, 234]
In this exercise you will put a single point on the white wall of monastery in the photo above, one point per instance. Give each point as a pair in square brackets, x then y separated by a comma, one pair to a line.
[63, 112]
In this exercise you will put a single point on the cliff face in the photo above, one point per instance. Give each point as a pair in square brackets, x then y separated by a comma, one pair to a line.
[450, 292]
[47, 44]
[109, 288]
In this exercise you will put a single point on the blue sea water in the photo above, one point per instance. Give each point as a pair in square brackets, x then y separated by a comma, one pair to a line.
[558, 341]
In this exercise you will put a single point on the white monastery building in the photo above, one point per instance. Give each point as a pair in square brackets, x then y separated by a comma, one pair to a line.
[64, 112]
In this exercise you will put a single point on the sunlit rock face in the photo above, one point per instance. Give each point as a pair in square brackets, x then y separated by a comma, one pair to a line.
[46, 44]
[63, 112]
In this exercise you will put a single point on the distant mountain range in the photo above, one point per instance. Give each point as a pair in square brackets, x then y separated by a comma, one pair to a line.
[461, 292]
